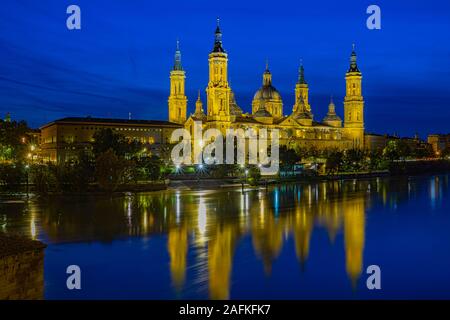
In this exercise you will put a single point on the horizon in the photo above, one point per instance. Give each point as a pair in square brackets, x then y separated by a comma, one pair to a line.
[119, 62]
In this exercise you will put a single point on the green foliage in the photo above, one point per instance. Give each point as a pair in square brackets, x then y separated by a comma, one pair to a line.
[11, 176]
[44, 178]
[153, 168]
[254, 175]
[107, 139]
[353, 160]
[11, 146]
[334, 162]
[75, 176]
[109, 170]
[445, 153]
[288, 158]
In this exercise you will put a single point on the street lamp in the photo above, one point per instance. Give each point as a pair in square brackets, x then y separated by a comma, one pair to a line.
[27, 167]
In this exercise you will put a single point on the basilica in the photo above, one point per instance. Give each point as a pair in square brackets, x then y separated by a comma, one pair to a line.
[297, 128]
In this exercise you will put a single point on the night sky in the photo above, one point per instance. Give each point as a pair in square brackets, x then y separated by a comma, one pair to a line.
[119, 61]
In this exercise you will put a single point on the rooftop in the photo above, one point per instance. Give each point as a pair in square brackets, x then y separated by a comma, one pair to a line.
[113, 121]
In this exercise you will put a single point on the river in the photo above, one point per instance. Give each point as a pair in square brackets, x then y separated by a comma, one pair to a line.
[293, 241]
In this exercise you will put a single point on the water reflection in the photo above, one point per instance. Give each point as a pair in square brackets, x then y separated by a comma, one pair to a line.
[210, 224]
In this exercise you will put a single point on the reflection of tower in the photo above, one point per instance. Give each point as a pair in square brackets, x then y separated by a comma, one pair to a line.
[267, 236]
[177, 245]
[177, 98]
[354, 225]
[220, 259]
[303, 227]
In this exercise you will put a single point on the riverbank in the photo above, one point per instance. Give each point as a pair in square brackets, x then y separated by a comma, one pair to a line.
[21, 268]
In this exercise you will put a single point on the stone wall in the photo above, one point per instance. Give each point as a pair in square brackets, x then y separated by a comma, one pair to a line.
[21, 268]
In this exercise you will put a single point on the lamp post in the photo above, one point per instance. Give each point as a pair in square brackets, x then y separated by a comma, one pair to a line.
[27, 167]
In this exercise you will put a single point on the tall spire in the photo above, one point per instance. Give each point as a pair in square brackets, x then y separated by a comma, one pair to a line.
[353, 65]
[267, 76]
[199, 113]
[218, 39]
[331, 106]
[177, 64]
[301, 73]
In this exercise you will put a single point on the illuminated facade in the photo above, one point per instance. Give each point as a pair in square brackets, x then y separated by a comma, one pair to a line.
[298, 128]
[63, 139]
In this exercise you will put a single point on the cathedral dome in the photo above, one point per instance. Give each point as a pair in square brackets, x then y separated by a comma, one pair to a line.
[267, 92]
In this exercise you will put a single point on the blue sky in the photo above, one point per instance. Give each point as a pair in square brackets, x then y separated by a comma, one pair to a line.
[119, 61]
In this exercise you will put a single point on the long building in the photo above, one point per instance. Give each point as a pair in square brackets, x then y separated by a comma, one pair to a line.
[63, 139]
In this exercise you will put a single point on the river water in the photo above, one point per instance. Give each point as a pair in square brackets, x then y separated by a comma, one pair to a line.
[294, 241]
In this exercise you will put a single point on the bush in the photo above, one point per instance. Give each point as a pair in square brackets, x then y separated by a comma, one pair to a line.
[12, 175]
[254, 175]
[109, 170]
[44, 178]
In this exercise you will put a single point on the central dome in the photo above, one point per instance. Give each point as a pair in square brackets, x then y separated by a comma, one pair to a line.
[267, 92]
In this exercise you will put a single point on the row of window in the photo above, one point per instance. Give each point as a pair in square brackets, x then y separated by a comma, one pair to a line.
[122, 129]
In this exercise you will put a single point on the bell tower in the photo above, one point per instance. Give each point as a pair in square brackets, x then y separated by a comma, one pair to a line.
[218, 90]
[354, 104]
[301, 92]
[177, 98]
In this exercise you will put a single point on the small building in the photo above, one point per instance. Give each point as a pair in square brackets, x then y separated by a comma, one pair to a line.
[439, 142]
[63, 139]
[377, 142]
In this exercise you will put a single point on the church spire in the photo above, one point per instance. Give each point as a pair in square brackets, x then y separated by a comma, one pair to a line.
[199, 105]
[177, 64]
[218, 39]
[301, 73]
[199, 113]
[267, 76]
[353, 65]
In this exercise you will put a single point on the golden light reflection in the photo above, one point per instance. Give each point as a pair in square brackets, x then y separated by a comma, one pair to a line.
[213, 223]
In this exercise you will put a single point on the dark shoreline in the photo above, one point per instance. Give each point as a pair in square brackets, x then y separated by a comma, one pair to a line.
[396, 169]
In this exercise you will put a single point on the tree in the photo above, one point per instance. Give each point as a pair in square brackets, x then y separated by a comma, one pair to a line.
[354, 159]
[445, 153]
[153, 168]
[106, 139]
[75, 176]
[254, 175]
[11, 175]
[12, 144]
[288, 158]
[391, 151]
[43, 177]
[109, 170]
[334, 161]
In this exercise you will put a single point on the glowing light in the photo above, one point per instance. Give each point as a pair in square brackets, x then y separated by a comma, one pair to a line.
[178, 207]
[202, 218]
